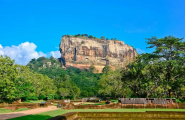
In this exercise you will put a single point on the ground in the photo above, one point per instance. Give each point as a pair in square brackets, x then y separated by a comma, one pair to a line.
[2, 110]
[41, 114]
[47, 115]
[26, 112]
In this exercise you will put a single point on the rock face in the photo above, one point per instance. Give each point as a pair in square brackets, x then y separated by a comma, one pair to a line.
[83, 52]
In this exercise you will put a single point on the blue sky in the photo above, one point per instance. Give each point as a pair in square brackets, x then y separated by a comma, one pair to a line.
[33, 28]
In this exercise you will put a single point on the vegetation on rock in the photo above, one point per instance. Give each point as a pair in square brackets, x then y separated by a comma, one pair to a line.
[89, 36]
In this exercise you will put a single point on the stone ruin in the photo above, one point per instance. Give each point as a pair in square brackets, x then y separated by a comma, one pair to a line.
[161, 101]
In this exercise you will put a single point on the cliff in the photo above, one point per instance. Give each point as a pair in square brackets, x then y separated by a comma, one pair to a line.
[82, 52]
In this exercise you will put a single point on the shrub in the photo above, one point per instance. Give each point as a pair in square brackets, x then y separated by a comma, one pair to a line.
[41, 97]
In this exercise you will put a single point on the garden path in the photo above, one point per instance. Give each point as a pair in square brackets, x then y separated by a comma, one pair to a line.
[5, 116]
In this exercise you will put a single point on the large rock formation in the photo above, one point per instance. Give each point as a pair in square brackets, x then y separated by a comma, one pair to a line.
[83, 52]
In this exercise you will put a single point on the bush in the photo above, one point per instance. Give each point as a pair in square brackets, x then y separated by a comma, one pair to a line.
[27, 100]
[41, 97]
[57, 97]
[177, 100]
[33, 98]
[50, 97]
[91, 94]
[84, 93]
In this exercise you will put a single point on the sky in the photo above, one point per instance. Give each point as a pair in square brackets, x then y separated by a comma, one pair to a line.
[33, 28]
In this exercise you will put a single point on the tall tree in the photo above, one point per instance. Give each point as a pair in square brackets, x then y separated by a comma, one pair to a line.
[172, 51]
[110, 83]
[8, 75]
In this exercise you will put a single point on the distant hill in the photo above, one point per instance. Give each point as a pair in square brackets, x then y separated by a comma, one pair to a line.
[43, 62]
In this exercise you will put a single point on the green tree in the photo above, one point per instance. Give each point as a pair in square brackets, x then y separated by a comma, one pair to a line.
[132, 76]
[106, 69]
[90, 36]
[24, 89]
[172, 51]
[91, 94]
[84, 93]
[8, 75]
[125, 92]
[75, 91]
[102, 37]
[86, 35]
[110, 83]
[52, 58]
[64, 92]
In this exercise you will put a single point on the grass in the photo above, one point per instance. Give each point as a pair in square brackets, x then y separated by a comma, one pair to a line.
[114, 101]
[87, 103]
[47, 115]
[2, 110]
[37, 101]
[99, 104]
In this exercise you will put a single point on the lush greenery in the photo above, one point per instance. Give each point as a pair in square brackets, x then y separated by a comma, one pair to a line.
[158, 75]
[71, 82]
[40, 80]
[19, 82]
[90, 36]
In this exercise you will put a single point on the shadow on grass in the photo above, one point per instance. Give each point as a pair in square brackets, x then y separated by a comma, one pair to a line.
[32, 117]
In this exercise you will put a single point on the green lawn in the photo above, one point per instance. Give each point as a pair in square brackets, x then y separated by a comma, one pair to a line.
[37, 101]
[114, 101]
[2, 110]
[47, 115]
[86, 103]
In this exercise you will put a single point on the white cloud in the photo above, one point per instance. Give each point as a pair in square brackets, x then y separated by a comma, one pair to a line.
[1, 46]
[55, 54]
[24, 52]
[140, 51]
[1, 52]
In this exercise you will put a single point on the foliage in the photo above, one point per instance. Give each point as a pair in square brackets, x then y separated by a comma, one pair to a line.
[159, 74]
[106, 69]
[88, 36]
[171, 52]
[8, 75]
[102, 37]
[69, 82]
[110, 83]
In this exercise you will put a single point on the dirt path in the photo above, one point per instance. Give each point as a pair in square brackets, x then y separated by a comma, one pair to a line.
[5, 116]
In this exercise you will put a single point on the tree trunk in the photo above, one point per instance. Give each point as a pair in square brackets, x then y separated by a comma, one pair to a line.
[169, 93]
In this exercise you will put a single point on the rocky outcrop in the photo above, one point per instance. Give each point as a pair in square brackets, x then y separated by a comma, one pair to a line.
[82, 52]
